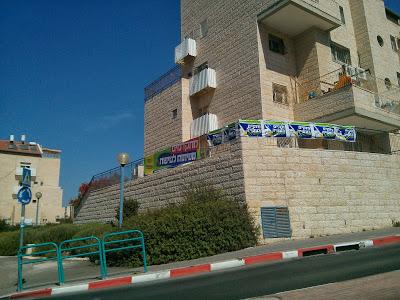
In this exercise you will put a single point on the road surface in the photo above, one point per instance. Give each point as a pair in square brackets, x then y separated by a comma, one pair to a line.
[263, 279]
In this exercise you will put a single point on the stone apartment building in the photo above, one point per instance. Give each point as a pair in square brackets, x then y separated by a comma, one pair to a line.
[278, 60]
[330, 61]
[45, 171]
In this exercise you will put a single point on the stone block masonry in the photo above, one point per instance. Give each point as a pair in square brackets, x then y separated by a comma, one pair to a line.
[326, 191]
[223, 170]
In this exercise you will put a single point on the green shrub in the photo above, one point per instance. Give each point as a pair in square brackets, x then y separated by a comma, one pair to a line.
[6, 227]
[9, 243]
[131, 208]
[206, 223]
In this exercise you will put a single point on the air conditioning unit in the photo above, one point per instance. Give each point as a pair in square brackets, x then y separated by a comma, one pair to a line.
[361, 74]
[203, 125]
[351, 71]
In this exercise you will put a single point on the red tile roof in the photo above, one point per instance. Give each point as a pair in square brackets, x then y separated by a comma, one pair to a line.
[19, 148]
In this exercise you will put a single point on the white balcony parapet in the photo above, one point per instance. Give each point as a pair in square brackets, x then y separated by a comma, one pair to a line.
[18, 173]
[186, 49]
[202, 81]
[203, 125]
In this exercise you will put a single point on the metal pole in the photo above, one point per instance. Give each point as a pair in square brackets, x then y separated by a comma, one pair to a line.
[121, 196]
[37, 212]
[21, 226]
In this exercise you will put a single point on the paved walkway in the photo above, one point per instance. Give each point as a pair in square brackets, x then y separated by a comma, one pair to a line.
[384, 286]
[44, 275]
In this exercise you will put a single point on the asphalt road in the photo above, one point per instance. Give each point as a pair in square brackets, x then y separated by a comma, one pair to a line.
[258, 280]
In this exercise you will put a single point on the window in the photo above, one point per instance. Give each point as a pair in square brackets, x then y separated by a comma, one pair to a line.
[394, 43]
[201, 67]
[204, 28]
[398, 78]
[174, 114]
[280, 94]
[388, 83]
[380, 40]
[342, 15]
[340, 54]
[276, 44]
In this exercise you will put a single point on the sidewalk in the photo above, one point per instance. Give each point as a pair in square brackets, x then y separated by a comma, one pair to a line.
[80, 274]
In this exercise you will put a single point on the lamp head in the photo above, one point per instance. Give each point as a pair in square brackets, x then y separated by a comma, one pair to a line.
[38, 195]
[123, 158]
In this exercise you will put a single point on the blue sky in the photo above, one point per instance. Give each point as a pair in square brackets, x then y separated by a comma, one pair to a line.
[72, 74]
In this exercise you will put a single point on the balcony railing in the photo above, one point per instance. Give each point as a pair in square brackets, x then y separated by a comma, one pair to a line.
[184, 50]
[203, 81]
[162, 83]
[386, 97]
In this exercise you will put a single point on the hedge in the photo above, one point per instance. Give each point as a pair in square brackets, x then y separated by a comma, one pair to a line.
[206, 223]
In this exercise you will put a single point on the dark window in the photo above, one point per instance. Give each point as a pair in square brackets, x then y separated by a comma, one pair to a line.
[342, 15]
[388, 83]
[174, 114]
[204, 28]
[200, 68]
[392, 16]
[280, 94]
[275, 222]
[380, 40]
[398, 78]
[394, 43]
[276, 44]
[340, 54]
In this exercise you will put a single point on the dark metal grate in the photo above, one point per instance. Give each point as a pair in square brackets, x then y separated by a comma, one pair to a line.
[164, 82]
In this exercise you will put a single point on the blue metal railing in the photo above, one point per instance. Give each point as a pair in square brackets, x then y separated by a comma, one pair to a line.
[108, 178]
[83, 247]
[162, 83]
[97, 245]
[21, 254]
[121, 244]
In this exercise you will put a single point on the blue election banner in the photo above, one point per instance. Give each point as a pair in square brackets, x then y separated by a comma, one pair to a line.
[24, 195]
[26, 177]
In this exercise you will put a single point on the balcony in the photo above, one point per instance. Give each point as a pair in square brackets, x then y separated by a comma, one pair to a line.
[186, 50]
[203, 125]
[303, 14]
[349, 99]
[19, 170]
[203, 81]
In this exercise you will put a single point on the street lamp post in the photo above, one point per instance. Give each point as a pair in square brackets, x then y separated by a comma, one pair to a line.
[38, 196]
[123, 159]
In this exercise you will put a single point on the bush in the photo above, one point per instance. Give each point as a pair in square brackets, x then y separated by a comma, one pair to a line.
[9, 243]
[206, 223]
[6, 227]
[131, 208]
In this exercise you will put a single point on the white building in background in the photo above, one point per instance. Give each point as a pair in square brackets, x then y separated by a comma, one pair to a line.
[45, 169]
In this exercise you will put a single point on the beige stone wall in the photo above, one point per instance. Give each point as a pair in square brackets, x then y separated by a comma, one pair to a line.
[322, 188]
[160, 128]
[223, 170]
[369, 22]
[279, 69]
[231, 48]
[47, 182]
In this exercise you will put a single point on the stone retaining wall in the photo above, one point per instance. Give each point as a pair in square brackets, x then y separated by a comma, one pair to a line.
[223, 169]
[327, 191]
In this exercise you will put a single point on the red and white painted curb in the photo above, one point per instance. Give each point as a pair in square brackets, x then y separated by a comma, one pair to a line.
[205, 268]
